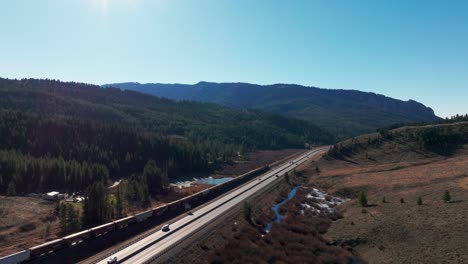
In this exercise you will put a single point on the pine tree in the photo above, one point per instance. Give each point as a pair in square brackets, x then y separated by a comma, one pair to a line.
[73, 219]
[286, 178]
[447, 198]
[152, 176]
[362, 199]
[118, 203]
[420, 202]
[47, 230]
[247, 212]
[63, 221]
[57, 207]
[94, 207]
[11, 189]
[145, 196]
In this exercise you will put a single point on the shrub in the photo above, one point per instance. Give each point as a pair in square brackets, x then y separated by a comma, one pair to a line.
[384, 200]
[27, 227]
[46, 232]
[362, 199]
[402, 200]
[248, 212]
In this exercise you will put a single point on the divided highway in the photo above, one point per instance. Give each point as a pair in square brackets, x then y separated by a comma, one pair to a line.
[155, 245]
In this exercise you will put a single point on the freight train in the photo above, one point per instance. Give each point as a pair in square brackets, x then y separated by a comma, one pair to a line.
[80, 237]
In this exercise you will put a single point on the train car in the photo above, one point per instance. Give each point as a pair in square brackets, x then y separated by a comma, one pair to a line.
[159, 210]
[197, 196]
[48, 247]
[206, 192]
[140, 217]
[174, 205]
[16, 258]
[76, 238]
[186, 199]
[102, 229]
[124, 222]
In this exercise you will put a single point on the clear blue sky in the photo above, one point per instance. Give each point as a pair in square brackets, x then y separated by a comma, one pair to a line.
[403, 49]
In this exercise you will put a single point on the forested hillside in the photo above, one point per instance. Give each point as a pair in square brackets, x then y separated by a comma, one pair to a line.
[66, 136]
[40, 153]
[405, 142]
[195, 121]
[344, 112]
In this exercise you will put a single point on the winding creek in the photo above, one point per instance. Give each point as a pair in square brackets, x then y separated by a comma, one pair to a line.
[276, 207]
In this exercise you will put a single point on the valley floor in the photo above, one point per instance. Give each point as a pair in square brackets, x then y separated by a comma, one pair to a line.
[295, 239]
[24, 220]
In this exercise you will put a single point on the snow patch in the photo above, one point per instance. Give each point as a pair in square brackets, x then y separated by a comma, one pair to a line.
[322, 200]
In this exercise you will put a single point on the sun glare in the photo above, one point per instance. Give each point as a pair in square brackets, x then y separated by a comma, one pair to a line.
[104, 6]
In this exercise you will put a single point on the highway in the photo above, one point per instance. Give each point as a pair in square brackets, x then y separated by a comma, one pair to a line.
[158, 243]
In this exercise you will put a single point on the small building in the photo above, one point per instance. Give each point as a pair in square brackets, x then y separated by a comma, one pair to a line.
[51, 196]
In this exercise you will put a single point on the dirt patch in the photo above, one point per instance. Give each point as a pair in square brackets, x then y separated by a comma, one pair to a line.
[464, 182]
[23, 223]
[254, 160]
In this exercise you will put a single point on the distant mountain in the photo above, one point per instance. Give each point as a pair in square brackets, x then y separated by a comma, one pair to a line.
[344, 112]
[205, 123]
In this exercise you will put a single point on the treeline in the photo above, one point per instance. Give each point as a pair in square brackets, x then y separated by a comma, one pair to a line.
[40, 153]
[443, 140]
[24, 173]
[103, 205]
[448, 120]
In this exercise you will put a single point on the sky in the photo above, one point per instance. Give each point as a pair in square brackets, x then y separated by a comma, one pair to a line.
[403, 49]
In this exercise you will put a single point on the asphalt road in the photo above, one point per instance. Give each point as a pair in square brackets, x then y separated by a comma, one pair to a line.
[157, 244]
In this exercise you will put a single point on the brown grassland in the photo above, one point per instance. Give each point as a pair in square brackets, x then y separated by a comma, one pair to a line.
[391, 231]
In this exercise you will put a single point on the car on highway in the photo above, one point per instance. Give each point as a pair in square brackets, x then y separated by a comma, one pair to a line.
[165, 228]
[112, 260]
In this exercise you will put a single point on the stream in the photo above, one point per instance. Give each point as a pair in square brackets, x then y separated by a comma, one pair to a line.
[275, 208]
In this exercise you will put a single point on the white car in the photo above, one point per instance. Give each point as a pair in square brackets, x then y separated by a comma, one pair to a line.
[165, 228]
[112, 260]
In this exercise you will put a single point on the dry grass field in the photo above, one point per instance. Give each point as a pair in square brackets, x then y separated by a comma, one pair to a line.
[392, 231]
[23, 222]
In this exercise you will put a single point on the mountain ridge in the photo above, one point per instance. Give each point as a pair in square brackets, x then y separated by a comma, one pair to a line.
[345, 112]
